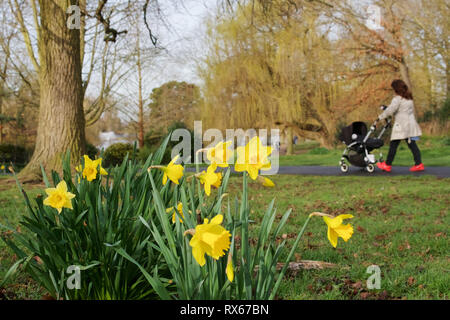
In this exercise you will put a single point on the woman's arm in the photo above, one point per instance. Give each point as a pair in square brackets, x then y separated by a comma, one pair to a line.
[393, 107]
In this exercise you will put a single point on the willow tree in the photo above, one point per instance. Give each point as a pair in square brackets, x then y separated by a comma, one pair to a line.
[259, 72]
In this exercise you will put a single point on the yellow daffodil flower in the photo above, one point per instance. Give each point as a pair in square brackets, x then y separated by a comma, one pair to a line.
[58, 197]
[173, 171]
[337, 229]
[253, 157]
[218, 181]
[180, 210]
[220, 154]
[266, 182]
[2, 167]
[210, 238]
[90, 168]
[210, 178]
[230, 270]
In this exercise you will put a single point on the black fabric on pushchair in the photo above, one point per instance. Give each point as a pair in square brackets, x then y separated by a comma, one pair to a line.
[373, 143]
[359, 128]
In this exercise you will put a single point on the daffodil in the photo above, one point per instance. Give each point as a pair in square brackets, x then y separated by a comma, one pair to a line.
[173, 171]
[220, 154]
[91, 168]
[230, 270]
[210, 178]
[180, 210]
[218, 181]
[59, 197]
[337, 229]
[266, 182]
[253, 157]
[2, 167]
[209, 238]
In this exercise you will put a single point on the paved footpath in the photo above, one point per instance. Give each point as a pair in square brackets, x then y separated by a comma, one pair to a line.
[441, 172]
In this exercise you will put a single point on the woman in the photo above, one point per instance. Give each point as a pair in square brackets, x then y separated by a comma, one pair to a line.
[405, 126]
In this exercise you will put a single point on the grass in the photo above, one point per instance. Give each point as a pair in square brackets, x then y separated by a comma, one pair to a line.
[435, 152]
[400, 224]
[12, 207]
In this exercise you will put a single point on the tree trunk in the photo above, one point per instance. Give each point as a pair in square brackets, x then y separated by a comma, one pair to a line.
[404, 71]
[61, 121]
[289, 138]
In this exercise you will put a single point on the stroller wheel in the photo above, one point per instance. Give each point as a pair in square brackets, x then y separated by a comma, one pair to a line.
[344, 167]
[370, 168]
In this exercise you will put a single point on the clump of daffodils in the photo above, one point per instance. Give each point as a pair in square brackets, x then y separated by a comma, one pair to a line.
[210, 238]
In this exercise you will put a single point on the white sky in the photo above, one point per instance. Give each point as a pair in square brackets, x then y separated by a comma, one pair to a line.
[184, 40]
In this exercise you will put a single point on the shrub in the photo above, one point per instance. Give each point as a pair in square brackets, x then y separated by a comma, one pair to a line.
[153, 140]
[116, 152]
[12, 153]
[91, 150]
[446, 141]
[443, 114]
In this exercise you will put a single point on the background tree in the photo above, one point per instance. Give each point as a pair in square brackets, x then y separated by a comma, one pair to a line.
[59, 57]
[172, 102]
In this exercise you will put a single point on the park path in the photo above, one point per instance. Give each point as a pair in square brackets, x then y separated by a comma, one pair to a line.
[440, 172]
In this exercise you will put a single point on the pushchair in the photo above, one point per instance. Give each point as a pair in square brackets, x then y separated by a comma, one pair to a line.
[359, 145]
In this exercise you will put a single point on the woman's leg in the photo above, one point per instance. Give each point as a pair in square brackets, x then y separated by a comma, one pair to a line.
[415, 151]
[392, 151]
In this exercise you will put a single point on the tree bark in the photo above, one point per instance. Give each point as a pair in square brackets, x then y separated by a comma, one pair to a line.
[404, 71]
[61, 121]
[289, 138]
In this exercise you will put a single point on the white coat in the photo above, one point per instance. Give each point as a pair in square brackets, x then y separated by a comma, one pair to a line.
[405, 125]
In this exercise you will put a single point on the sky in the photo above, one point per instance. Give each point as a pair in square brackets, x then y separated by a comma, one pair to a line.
[182, 36]
[184, 39]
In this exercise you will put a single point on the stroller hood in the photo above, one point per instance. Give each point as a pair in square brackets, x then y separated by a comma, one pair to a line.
[359, 128]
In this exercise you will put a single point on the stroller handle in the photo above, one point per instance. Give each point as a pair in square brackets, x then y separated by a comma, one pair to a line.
[383, 107]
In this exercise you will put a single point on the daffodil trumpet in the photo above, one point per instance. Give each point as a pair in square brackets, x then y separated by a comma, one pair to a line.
[253, 157]
[173, 172]
[209, 238]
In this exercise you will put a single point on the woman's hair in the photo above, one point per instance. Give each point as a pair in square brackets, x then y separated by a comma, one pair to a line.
[401, 89]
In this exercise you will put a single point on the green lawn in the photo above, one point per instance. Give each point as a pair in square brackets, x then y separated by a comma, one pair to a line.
[435, 152]
[12, 206]
[400, 224]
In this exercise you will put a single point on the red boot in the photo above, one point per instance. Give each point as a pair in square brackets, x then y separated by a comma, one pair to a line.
[383, 166]
[419, 167]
